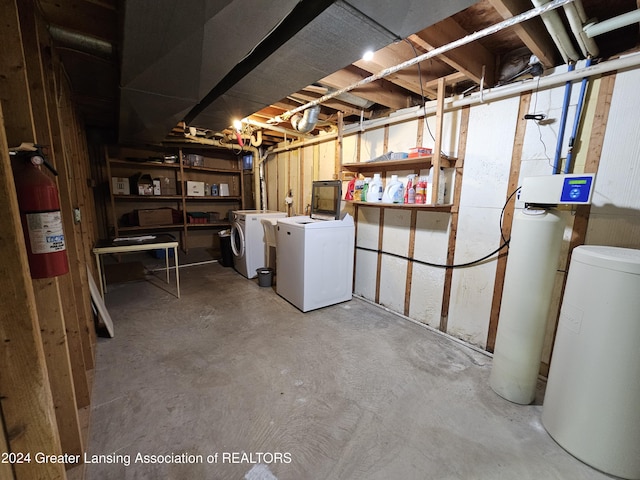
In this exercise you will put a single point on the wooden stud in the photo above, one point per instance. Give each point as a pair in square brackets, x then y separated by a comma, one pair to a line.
[338, 156]
[507, 219]
[25, 395]
[420, 132]
[435, 181]
[453, 233]
[379, 259]
[581, 219]
[71, 289]
[412, 244]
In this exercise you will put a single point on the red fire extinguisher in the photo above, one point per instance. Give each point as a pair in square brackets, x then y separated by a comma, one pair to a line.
[40, 214]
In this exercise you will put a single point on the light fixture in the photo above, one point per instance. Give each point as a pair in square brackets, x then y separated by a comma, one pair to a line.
[237, 124]
[368, 55]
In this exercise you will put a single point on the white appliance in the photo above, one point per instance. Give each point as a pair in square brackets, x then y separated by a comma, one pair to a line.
[534, 249]
[247, 240]
[592, 402]
[315, 261]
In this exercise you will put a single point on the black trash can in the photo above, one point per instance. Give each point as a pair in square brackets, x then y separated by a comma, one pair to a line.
[225, 248]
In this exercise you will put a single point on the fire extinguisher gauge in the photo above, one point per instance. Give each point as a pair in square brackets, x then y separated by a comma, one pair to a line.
[37, 160]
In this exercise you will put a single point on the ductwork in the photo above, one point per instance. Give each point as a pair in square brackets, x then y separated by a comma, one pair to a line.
[577, 19]
[595, 29]
[306, 122]
[81, 43]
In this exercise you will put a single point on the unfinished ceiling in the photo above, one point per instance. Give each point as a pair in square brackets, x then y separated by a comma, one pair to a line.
[142, 67]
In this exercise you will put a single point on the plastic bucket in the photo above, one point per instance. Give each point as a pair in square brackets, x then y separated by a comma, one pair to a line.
[265, 276]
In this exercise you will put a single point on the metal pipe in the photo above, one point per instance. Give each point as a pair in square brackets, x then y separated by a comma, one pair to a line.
[430, 54]
[80, 42]
[563, 123]
[576, 122]
[595, 29]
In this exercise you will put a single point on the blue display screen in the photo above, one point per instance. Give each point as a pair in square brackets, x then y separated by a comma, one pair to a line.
[576, 190]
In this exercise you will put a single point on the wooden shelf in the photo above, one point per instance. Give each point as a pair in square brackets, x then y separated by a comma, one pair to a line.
[209, 225]
[210, 198]
[405, 206]
[143, 164]
[173, 226]
[213, 170]
[402, 164]
[148, 198]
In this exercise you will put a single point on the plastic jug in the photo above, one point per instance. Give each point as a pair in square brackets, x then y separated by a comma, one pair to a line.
[410, 191]
[442, 186]
[394, 191]
[376, 189]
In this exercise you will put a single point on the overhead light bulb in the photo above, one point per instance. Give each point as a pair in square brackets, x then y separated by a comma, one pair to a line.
[237, 124]
[368, 55]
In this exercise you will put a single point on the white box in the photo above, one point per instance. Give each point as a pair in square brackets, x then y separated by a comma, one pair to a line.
[195, 189]
[156, 186]
[224, 189]
[120, 186]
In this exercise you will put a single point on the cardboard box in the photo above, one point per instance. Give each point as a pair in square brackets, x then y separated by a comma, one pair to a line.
[195, 189]
[168, 186]
[155, 216]
[419, 152]
[193, 160]
[120, 186]
[141, 184]
[156, 186]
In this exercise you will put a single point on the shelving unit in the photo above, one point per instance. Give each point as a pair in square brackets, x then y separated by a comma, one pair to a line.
[223, 168]
[416, 164]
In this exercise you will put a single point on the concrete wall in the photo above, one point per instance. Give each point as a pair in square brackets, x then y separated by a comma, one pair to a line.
[614, 220]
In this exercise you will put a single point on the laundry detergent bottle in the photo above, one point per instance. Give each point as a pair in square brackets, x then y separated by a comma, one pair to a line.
[394, 193]
[376, 189]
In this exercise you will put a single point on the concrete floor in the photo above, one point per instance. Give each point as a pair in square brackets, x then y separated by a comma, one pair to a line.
[345, 392]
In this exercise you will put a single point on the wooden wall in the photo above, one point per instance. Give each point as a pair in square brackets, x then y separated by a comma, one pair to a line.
[47, 327]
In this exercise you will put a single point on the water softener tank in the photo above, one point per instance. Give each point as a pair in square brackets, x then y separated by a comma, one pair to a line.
[592, 401]
[536, 238]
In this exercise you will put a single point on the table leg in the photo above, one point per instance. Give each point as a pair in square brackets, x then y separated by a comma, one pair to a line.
[100, 277]
[166, 262]
[175, 258]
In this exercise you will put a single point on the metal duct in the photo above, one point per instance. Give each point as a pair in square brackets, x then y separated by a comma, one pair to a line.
[306, 122]
[82, 43]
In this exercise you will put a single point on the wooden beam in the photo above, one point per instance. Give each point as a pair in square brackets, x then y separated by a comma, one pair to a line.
[507, 219]
[437, 148]
[472, 59]
[533, 33]
[382, 92]
[453, 232]
[25, 395]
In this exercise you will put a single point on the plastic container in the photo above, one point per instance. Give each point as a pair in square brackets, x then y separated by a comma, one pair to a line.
[421, 190]
[591, 404]
[410, 191]
[265, 276]
[357, 191]
[351, 186]
[442, 187]
[365, 189]
[376, 189]
[394, 193]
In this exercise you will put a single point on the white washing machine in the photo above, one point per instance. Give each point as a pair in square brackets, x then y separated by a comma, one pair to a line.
[247, 240]
[317, 270]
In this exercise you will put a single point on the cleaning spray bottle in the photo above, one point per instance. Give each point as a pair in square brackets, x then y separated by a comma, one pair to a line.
[410, 191]
[393, 192]
[350, 188]
[365, 189]
[376, 189]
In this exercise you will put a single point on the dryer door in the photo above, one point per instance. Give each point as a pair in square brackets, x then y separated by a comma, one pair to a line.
[237, 239]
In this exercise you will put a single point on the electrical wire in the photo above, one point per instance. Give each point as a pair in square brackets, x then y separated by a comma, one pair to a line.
[505, 243]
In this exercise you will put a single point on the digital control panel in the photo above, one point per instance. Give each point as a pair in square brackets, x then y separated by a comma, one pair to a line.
[576, 190]
[569, 189]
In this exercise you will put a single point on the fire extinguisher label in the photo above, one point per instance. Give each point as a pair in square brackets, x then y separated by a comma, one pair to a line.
[45, 232]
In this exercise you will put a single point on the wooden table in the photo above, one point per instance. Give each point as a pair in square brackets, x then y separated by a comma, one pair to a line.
[137, 244]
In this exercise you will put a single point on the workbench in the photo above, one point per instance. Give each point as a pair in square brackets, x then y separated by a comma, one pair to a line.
[137, 244]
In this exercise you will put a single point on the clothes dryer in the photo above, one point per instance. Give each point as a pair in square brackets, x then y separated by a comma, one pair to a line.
[247, 240]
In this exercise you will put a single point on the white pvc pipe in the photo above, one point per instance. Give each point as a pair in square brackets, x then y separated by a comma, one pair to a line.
[548, 7]
[614, 23]
[556, 29]
[576, 21]
[489, 95]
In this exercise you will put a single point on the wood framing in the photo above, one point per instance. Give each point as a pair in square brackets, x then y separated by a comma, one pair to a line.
[507, 219]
